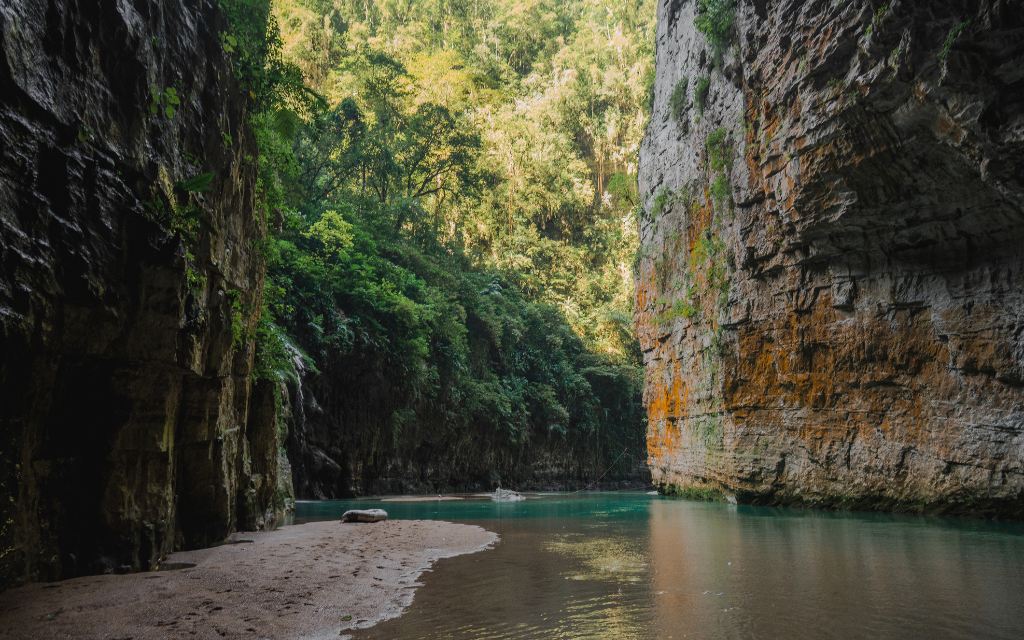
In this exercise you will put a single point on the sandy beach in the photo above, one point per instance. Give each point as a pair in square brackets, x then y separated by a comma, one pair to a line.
[306, 581]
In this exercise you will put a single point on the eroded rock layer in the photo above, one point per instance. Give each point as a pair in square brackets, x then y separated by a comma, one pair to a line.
[129, 281]
[831, 288]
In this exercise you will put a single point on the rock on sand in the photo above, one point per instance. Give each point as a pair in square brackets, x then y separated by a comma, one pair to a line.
[364, 515]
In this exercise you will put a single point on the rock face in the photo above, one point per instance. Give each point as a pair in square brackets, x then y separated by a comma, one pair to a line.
[332, 456]
[830, 296]
[336, 449]
[129, 281]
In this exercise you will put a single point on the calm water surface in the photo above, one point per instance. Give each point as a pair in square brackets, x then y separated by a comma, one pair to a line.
[630, 565]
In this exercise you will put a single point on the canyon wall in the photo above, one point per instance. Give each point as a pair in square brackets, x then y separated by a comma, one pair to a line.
[130, 280]
[830, 292]
[340, 443]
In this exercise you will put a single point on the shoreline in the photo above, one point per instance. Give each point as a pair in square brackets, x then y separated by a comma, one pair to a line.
[314, 580]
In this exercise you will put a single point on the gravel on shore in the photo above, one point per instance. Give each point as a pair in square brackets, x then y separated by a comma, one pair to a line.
[308, 581]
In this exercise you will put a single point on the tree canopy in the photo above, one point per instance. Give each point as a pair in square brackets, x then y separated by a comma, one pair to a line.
[451, 194]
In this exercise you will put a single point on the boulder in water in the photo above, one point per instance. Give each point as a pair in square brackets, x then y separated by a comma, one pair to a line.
[505, 495]
[364, 515]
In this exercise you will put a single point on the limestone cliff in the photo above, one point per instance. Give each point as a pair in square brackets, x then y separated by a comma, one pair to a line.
[130, 275]
[829, 293]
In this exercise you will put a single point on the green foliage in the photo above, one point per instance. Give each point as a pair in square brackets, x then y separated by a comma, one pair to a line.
[622, 191]
[951, 38]
[708, 254]
[679, 309]
[332, 233]
[715, 20]
[665, 199]
[721, 191]
[237, 311]
[720, 158]
[662, 200]
[708, 258]
[719, 148]
[700, 93]
[165, 101]
[453, 200]
[274, 354]
[693, 492]
[197, 184]
[881, 12]
[877, 17]
[253, 42]
[679, 102]
[179, 216]
[194, 280]
[445, 348]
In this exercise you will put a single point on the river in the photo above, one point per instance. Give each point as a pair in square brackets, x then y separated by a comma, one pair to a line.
[633, 565]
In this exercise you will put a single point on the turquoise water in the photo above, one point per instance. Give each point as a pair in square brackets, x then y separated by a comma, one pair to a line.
[630, 565]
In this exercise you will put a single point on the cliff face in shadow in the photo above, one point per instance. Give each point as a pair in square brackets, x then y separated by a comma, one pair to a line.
[130, 275]
[829, 292]
[340, 444]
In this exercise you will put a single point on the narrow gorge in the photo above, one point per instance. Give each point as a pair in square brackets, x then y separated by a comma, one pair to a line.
[828, 296]
[511, 319]
[208, 309]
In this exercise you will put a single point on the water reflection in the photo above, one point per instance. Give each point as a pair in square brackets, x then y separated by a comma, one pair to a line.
[634, 566]
[728, 572]
[602, 558]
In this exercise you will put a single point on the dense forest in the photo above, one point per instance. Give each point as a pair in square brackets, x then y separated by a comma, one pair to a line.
[450, 189]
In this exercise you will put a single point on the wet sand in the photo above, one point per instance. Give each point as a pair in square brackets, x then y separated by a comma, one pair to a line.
[312, 580]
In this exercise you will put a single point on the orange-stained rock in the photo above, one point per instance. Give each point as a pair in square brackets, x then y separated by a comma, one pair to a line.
[848, 330]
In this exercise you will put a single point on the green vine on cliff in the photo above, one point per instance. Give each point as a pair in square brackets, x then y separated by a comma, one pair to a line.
[710, 248]
[239, 331]
[707, 257]
[164, 101]
[275, 90]
[665, 199]
[720, 158]
[715, 19]
[721, 191]
[679, 104]
[177, 209]
[700, 93]
[253, 42]
[951, 38]
[680, 309]
[877, 18]
[719, 148]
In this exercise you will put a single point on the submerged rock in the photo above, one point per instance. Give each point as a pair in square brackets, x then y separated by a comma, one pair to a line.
[364, 515]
